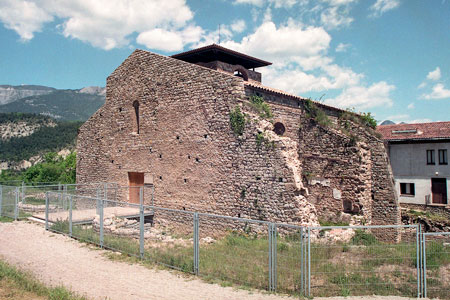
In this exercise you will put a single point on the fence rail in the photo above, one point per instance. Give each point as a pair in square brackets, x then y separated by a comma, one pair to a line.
[277, 257]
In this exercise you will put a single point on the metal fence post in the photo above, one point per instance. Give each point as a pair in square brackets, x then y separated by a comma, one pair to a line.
[70, 215]
[269, 231]
[46, 211]
[309, 262]
[16, 205]
[420, 260]
[302, 269]
[101, 221]
[196, 244]
[272, 257]
[417, 261]
[141, 223]
[1, 199]
[23, 192]
[424, 241]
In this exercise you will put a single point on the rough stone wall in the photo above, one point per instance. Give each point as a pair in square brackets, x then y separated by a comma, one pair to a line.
[197, 163]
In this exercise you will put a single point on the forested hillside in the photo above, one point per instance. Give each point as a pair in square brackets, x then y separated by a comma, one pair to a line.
[49, 136]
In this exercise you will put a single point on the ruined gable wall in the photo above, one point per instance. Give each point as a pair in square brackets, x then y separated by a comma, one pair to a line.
[344, 165]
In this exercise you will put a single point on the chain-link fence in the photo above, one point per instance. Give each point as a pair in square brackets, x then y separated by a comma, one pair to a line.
[436, 262]
[8, 201]
[356, 260]
[299, 261]
[23, 201]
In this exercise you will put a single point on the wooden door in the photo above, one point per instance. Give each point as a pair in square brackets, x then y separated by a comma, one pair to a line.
[135, 181]
[439, 190]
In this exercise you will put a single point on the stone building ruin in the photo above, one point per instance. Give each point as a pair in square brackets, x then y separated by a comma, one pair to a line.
[202, 128]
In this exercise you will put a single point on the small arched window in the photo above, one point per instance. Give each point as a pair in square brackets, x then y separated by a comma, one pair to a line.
[240, 72]
[136, 117]
[279, 128]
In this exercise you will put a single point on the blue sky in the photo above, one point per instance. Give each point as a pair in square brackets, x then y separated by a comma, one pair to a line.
[389, 57]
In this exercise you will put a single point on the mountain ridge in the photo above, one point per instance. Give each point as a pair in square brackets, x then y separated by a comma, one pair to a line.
[60, 104]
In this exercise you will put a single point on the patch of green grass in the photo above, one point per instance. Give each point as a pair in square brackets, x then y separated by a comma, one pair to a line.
[428, 215]
[23, 281]
[438, 254]
[331, 223]
[6, 219]
[34, 201]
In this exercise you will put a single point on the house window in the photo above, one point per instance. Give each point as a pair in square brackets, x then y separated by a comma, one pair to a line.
[443, 156]
[430, 157]
[407, 189]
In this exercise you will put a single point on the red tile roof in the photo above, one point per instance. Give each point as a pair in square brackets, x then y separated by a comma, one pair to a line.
[420, 131]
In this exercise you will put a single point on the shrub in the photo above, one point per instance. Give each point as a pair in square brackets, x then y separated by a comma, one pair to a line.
[363, 238]
[261, 107]
[368, 120]
[365, 119]
[237, 121]
[315, 113]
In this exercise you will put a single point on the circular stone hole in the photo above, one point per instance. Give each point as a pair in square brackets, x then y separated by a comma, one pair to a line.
[279, 128]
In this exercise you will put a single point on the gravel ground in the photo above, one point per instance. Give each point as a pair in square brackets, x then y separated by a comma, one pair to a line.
[56, 259]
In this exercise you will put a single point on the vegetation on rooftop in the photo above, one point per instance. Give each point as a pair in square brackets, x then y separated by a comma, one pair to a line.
[316, 113]
[261, 107]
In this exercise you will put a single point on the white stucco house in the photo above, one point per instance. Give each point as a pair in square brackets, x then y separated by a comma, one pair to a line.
[419, 158]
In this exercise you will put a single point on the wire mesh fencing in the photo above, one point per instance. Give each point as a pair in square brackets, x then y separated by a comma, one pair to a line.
[8, 201]
[436, 262]
[299, 261]
[234, 250]
[356, 260]
[23, 201]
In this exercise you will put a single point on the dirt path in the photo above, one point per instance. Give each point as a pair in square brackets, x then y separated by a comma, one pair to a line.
[56, 259]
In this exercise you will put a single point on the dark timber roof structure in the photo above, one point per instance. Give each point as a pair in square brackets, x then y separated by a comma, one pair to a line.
[215, 52]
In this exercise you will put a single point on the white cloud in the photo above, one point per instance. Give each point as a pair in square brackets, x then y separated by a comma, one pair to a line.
[335, 17]
[364, 97]
[283, 44]
[168, 40]
[102, 23]
[415, 121]
[24, 17]
[382, 6]
[301, 65]
[238, 26]
[342, 47]
[398, 118]
[422, 85]
[438, 92]
[252, 2]
[407, 119]
[339, 2]
[283, 3]
[435, 74]
[411, 106]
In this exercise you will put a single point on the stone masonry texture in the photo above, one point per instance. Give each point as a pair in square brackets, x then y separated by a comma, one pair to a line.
[187, 146]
